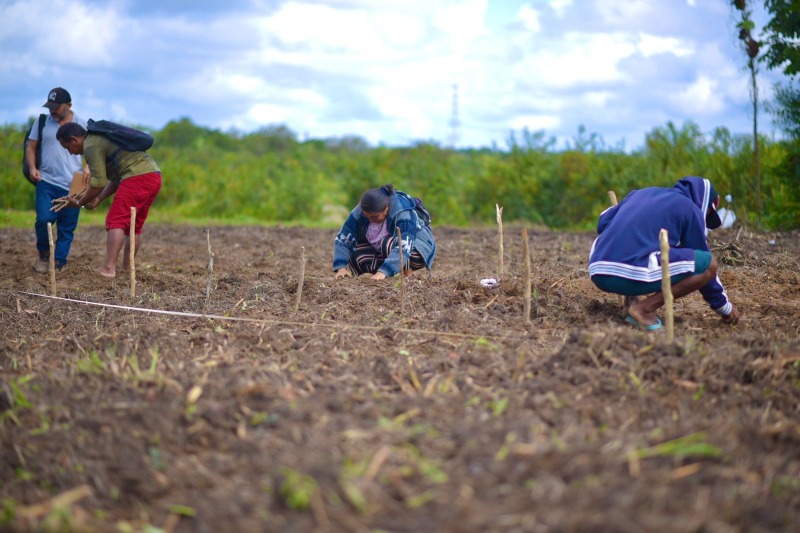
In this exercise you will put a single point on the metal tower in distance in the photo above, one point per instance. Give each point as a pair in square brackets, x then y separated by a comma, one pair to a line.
[453, 137]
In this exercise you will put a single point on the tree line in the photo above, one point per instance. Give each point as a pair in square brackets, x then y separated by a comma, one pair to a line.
[273, 177]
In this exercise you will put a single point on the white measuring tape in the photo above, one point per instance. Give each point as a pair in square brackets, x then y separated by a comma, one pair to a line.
[262, 321]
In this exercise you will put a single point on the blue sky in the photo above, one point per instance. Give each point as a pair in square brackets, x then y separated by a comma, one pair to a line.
[384, 70]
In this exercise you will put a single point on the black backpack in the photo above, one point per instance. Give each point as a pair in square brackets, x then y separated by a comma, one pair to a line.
[26, 171]
[128, 139]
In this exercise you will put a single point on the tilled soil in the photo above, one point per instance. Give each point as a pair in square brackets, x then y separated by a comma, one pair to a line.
[375, 406]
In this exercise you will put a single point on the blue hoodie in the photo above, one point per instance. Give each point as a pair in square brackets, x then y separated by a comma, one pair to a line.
[402, 213]
[628, 247]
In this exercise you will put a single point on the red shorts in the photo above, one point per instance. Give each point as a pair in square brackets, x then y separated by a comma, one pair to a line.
[137, 191]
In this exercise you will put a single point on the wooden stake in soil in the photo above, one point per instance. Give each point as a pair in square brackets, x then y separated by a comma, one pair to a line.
[526, 306]
[402, 270]
[132, 252]
[666, 284]
[52, 265]
[210, 267]
[300, 278]
[500, 237]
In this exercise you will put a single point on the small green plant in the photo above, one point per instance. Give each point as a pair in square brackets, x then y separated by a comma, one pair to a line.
[8, 510]
[785, 486]
[349, 481]
[155, 458]
[481, 341]
[499, 406]
[18, 397]
[44, 427]
[505, 449]
[637, 381]
[91, 364]
[425, 466]
[693, 445]
[419, 500]
[182, 510]
[153, 361]
[699, 393]
[22, 474]
[297, 489]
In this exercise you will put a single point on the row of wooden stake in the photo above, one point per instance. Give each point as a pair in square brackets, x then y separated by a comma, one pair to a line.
[664, 242]
[131, 250]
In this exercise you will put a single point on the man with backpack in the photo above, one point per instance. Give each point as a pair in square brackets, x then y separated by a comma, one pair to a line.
[51, 168]
[119, 166]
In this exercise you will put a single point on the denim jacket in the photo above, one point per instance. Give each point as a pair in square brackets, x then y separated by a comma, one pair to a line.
[415, 234]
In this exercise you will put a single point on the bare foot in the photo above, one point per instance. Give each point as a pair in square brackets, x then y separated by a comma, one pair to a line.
[106, 273]
[642, 316]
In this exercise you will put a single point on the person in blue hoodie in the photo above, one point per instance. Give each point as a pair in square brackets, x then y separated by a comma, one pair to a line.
[626, 255]
[367, 242]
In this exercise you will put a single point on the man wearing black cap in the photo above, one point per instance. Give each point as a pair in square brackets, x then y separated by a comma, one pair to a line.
[626, 256]
[53, 178]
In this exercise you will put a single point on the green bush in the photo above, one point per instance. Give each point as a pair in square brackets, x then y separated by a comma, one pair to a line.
[272, 177]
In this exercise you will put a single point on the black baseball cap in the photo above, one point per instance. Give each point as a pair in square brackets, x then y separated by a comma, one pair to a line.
[57, 97]
[712, 217]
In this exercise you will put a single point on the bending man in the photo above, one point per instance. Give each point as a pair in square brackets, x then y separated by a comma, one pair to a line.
[133, 176]
[626, 259]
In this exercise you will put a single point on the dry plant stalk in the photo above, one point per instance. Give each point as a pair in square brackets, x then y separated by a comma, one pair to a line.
[132, 252]
[210, 267]
[61, 203]
[499, 210]
[402, 269]
[666, 285]
[300, 278]
[52, 264]
[62, 501]
[526, 306]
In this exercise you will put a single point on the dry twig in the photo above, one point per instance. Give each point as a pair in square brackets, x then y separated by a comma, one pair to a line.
[499, 210]
[666, 285]
[52, 267]
[210, 267]
[64, 201]
[526, 305]
[132, 252]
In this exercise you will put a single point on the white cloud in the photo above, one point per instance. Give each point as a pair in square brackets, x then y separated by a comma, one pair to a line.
[578, 58]
[560, 6]
[650, 45]
[383, 69]
[699, 98]
[77, 35]
[529, 18]
[534, 122]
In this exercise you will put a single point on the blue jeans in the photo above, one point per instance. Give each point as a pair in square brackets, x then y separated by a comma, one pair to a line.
[65, 220]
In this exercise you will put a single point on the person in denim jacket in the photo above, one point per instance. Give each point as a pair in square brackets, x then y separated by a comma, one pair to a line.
[367, 242]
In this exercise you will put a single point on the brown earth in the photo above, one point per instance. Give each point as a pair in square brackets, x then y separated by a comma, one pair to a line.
[364, 412]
